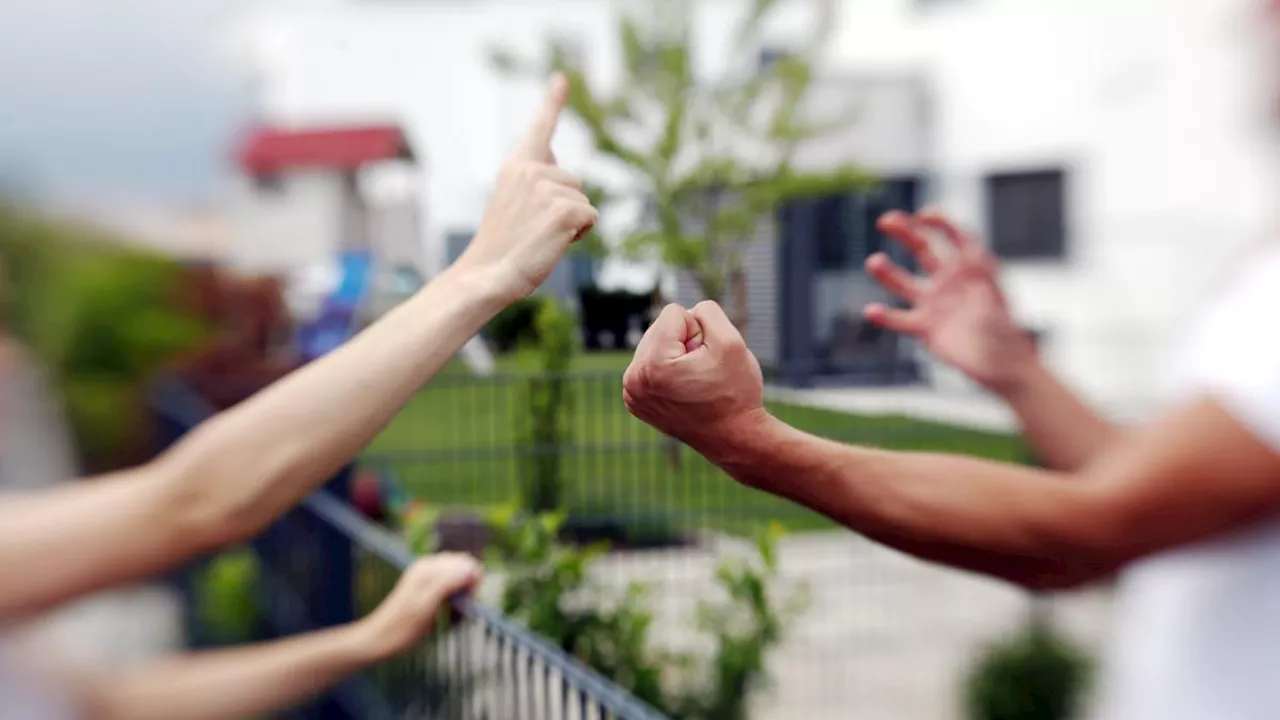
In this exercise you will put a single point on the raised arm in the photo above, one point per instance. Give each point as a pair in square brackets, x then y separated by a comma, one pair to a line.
[1194, 474]
[257, 680]
[959, 313]
[235, 474]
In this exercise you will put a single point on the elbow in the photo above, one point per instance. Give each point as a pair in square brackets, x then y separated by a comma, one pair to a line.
[1085, 541]
[1062, 578]
[200, 504]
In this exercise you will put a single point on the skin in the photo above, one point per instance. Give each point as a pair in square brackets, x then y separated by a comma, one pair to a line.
[959, 313]
[257, 679]
[1112, 497]
[241, 470]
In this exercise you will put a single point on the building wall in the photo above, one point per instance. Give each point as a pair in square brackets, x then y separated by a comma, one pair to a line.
[1155, 109]
[760, 261]
[1149, 104]
[299, 223]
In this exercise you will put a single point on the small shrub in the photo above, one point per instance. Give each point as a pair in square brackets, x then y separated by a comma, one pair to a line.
[1036, 675]
[101, 319]
[544, 426]
[549, 590]
[514, 325]
[226, 604]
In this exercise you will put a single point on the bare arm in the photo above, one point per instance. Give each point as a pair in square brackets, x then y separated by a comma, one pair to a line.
[1195, 474]
[261, 679]
[1063, 430]
[239, 471]
[237, 683]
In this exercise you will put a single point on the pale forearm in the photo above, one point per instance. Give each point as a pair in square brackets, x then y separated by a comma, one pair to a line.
[1003, 520]
[1062, 429]
[244, 682]
[247, 466]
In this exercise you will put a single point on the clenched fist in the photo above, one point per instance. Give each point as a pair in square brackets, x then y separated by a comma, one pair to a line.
[536, 211]
[693, 377]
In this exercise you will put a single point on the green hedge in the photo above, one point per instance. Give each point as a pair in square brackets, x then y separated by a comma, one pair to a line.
[101, 319]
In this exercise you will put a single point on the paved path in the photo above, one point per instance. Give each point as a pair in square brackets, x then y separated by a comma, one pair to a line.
[885, 637]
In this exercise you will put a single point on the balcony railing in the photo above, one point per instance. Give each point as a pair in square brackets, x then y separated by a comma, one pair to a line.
[323, 564]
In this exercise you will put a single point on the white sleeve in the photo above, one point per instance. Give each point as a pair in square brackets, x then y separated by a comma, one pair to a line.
[1234, 351]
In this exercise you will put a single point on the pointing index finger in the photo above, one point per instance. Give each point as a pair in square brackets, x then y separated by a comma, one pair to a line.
[537, 142]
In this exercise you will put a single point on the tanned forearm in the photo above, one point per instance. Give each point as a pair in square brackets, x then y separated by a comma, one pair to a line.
[1062, 429]
[247, 466]
[244, 682]
[1003, 520]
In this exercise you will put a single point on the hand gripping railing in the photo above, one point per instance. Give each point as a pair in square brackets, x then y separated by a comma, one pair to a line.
[324, 564]
[495, 668]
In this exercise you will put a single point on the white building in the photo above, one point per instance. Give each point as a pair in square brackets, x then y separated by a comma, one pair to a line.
[1139, 124]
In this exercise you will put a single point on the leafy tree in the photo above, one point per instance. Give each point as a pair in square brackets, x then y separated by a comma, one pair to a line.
[713, 161]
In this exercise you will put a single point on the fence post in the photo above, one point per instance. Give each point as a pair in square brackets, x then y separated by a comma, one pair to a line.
[337, 602]
[335, 595]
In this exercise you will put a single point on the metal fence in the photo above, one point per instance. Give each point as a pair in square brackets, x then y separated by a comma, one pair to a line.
[466, 442]
[883, 637]
[323, 564]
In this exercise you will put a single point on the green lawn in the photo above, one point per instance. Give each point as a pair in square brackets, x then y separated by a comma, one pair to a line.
[456, 445]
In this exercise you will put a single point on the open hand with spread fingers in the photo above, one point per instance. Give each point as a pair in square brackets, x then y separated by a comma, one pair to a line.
[956, 308]
[536, 211]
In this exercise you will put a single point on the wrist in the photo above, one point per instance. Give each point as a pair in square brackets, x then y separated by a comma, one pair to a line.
[365, 642]
[477, 287]
[1020, 379]
[729, 442]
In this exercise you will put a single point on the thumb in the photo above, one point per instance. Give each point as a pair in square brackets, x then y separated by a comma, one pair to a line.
[718, 331]
[695, 336]
[448, 574]
[536, 144]
[667, 338]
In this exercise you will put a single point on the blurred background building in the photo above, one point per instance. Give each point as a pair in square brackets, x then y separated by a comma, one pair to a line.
[1111, 153]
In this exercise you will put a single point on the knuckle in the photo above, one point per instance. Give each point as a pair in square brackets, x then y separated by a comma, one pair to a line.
[524, 171]
[561, 208]
[633, 380]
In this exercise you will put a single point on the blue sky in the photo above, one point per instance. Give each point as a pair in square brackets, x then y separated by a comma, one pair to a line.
[116, 98]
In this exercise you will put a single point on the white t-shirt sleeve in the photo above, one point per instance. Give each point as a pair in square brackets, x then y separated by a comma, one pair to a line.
[1233, 353]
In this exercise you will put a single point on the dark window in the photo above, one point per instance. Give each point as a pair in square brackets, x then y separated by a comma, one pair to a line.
[845, 233]
[269, 183]
[831, 230]
[769, 56]
[1026, 215]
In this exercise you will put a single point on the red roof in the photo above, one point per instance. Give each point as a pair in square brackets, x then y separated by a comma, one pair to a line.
[269, 150]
